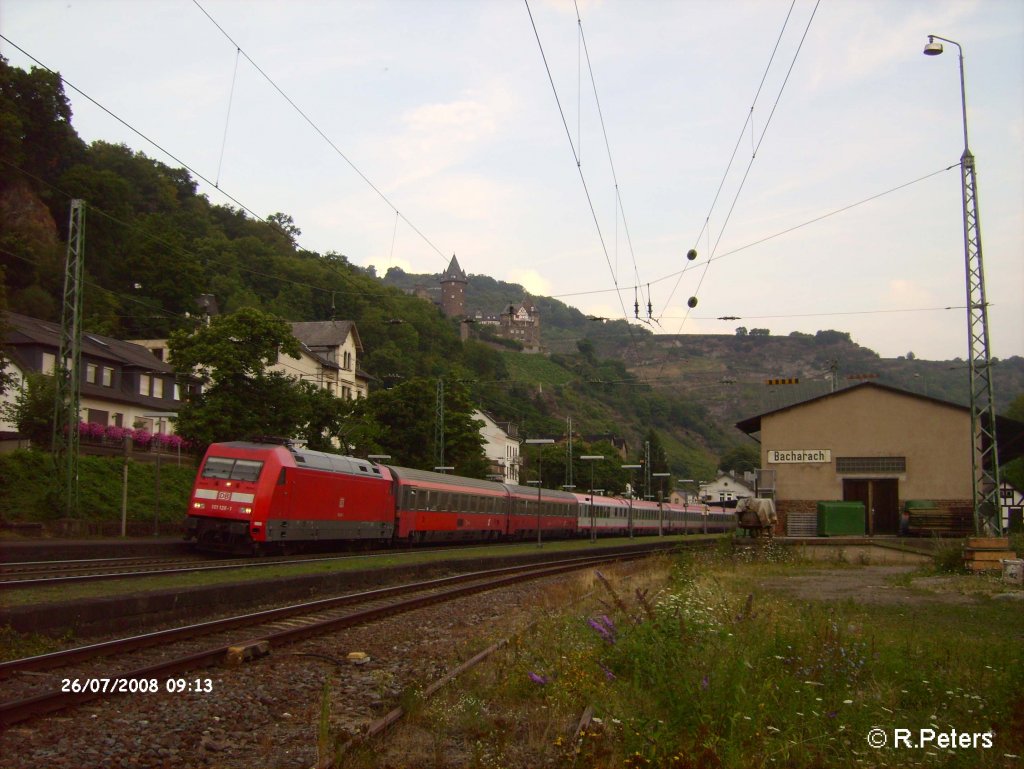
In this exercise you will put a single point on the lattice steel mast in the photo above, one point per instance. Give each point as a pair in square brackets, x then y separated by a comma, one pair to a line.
[984, 454]
[67, 367]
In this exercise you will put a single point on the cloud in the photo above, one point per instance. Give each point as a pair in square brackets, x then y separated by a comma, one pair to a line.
[531, 280]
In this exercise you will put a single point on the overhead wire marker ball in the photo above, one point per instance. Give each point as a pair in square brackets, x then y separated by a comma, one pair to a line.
[691, 302]
[691, 254]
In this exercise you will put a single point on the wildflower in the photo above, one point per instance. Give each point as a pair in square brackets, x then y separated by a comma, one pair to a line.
[704, 683]
[603, 627]
[608, 674]
[538, 679]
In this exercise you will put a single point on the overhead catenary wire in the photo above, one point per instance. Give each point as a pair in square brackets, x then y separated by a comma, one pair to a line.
[319, 132]
[778, 234]
[576, 157]
[753, 156]
[242, 206]
[619, 208]
[227, 118]
[728, 166]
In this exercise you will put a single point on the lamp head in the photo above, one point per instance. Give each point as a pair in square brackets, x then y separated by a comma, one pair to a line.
[932, 48]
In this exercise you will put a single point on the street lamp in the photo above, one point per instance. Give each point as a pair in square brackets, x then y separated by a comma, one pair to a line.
[631, 468]
[984, 480]
[538, 442]
[704, 504]
[686, 499]
[591, 458]
[661, 500]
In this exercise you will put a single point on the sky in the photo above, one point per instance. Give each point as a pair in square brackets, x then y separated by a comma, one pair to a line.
[585, 167]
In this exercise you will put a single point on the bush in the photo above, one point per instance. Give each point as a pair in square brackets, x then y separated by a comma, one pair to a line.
[949, 556]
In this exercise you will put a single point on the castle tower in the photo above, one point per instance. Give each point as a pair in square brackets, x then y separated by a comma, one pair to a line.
[453, 290]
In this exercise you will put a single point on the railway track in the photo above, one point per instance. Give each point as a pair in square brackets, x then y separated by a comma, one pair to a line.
[37, 685]
[32, 574]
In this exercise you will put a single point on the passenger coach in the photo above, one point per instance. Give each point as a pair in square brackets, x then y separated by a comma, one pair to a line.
[251, 497]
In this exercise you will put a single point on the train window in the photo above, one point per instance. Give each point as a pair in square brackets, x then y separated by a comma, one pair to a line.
[218, 467]
[246, 470]
[227, 468]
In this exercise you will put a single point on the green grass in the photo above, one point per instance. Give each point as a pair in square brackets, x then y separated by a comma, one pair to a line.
[709, 671]
[28, 491]
[536, 369]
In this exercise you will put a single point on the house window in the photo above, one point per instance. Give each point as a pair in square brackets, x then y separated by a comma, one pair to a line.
[871, 464]
[107, 375]
[49, 363]
[145, 383]
[91, 373]
[347, 361]
[177, 391]
[96, 417]
[158, 387]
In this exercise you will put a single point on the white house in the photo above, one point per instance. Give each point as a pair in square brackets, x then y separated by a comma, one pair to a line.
[122, 383]
[330, 358]
[501, 446]
[726, 488]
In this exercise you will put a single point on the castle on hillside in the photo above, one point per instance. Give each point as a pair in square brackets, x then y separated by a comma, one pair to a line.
[520, 322]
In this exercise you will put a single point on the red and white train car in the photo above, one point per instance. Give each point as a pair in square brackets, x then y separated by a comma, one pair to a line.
[251, 497]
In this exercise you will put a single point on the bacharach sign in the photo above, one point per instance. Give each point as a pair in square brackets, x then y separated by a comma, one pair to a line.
[798, 456]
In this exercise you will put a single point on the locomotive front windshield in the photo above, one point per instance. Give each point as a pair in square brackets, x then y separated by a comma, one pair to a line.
[226, 468]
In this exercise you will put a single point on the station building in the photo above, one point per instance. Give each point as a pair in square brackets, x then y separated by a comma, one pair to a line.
[872, 443]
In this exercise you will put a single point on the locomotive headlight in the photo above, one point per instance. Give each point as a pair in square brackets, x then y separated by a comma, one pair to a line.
[199, 505]
[247, 510]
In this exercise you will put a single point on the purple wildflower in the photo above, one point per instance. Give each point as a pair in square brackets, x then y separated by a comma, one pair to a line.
[538, 679]
[704, 683]
[608, 674]
[602, 630]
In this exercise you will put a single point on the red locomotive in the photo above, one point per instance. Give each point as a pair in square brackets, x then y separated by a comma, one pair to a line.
[252, 497]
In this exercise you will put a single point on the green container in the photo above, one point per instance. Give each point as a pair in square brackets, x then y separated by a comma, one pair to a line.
[841, 519]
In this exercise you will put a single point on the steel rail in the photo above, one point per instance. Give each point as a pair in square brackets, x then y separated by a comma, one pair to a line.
[18, 710]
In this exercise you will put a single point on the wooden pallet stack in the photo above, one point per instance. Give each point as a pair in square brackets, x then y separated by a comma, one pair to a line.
[987, 553]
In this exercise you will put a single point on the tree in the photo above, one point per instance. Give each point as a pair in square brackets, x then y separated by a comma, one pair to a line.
[240, 399]
[32, 410]
[586, 349]
[740, 459]
[399, 422]
[35, 122]
[285, 224]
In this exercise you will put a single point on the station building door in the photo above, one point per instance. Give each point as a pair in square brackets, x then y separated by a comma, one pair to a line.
[881, 498]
